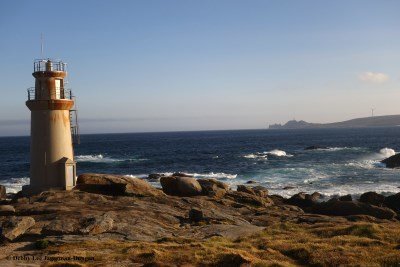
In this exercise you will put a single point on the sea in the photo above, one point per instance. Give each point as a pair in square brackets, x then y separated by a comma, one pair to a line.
[275, 159]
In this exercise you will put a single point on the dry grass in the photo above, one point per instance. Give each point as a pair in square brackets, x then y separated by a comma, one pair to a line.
[283, 244]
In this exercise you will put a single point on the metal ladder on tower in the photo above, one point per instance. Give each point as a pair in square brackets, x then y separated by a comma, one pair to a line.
[73, 117]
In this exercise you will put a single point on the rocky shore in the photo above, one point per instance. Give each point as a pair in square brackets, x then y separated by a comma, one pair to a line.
[111, 220]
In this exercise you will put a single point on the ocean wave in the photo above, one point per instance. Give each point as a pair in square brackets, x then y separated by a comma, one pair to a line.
[387, 152]
[217, 175]
[13, 185]
[101, 159]
[366, 164]
[256, 156]
[264, 155]
[277, 153]
[373, 160]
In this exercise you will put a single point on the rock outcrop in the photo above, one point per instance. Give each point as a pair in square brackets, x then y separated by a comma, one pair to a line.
[116, 185]
[393, 202]
[180, 186]
[346, 208]
[392, 162]
[372, 198]
[213, 188]
[13, 227]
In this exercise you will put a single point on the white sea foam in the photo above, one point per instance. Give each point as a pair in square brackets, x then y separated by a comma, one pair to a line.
[264, 155]
[256, 156]
[94, 158]
[13, 185]
[101, 159]
[387, 152]
[277, 153]
[217, 175]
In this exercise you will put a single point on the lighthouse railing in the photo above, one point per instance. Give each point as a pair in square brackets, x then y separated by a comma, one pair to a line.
[49, 65]
[64, 93]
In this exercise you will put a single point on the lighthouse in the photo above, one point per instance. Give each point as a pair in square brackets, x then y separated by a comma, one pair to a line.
[52, 164]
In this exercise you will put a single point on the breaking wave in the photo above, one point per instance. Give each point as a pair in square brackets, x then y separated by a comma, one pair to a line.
[278, 153]
[264, 155]
[13, 185]
[387, 152]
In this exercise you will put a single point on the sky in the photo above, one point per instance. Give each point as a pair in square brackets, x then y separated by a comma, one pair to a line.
[144, 66]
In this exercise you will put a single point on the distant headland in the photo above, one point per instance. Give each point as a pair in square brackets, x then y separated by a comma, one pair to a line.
[376, 121]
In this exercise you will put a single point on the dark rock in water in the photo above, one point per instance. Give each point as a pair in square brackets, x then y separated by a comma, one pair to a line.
[289, 187]
[6, 210]
[392, 162]
[315, 147]
[14, 227]
[181, 174]
[155, 176]
[213, 188]
[3, 194]
[251, 182]
[393, 202]
[347, 208]
[372, 198]
[196, 215]
[345, 198]
[115, 185]
[180, 186]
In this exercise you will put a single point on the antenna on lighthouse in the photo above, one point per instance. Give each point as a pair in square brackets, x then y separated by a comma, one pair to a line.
[41, 45]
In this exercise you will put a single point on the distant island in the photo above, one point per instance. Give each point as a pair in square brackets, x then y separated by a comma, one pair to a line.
[376, 121]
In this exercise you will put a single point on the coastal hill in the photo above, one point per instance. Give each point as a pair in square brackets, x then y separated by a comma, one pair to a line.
[376, 121]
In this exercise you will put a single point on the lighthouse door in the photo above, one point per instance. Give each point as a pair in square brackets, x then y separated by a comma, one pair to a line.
[70, 176]
[58, 89]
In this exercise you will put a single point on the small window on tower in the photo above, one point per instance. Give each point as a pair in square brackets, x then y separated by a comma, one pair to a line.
[58, 89]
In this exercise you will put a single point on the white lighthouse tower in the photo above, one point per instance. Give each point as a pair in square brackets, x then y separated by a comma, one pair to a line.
[52, 164]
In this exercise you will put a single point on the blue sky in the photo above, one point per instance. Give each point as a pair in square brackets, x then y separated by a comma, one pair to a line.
[197, 65]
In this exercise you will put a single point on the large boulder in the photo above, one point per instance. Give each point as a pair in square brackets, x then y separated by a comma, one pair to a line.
[180, 186]
[115, 185]
[372, 198]
[393, 202]
[14, 227]
[392, 162]
[212, 187]
[3, 194]
[347, 208]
